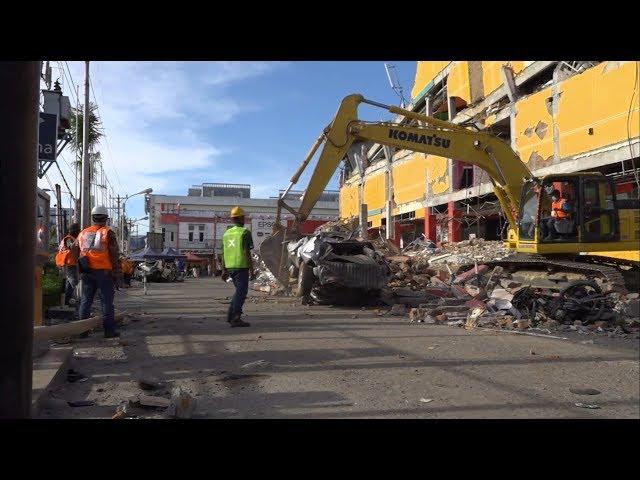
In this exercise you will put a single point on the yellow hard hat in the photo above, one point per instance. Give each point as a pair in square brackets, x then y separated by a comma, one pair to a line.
[237, 212]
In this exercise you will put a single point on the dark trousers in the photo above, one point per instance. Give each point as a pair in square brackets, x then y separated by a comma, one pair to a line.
[240, 279]
[547, 227]
[71, 282]
[98, 280]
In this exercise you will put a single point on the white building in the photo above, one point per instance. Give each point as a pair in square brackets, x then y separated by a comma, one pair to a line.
[196, 222]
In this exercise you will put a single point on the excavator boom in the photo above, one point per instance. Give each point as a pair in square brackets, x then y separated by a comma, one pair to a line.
[430, 136]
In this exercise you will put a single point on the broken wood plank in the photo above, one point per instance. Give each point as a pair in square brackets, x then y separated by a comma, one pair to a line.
[63, 330]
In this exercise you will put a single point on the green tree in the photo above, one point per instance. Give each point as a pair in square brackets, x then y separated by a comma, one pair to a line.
[77, 131]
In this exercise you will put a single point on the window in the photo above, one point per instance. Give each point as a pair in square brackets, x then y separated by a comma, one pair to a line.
[172, 236]
[191, 236]
[529, 211]
[599, 214]
[201, 236]
[164, 238]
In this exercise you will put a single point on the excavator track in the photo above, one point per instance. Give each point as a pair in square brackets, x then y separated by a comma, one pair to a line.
[610, 274]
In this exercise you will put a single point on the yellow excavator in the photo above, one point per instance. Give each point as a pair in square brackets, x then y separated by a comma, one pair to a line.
[595, 235]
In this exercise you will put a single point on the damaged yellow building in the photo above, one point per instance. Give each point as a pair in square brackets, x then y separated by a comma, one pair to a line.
[559, 116]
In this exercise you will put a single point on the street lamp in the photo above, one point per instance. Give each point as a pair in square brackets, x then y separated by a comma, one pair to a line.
[124, 203]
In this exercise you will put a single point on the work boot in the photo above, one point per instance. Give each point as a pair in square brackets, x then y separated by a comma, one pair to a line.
[237, 322]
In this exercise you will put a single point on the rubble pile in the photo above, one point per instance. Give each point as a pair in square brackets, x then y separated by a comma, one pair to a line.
[452, 284]
[421, 264]
[347, 228]
[265, 281]
[491, 298]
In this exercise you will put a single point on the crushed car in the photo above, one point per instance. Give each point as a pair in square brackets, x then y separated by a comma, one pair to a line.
[331, 267]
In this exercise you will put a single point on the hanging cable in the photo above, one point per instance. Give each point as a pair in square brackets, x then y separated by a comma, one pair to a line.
[629, 116]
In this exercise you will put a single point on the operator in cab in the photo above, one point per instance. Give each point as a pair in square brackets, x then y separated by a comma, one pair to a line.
[559, 210]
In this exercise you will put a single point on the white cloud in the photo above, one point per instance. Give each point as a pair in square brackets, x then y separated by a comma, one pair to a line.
[150, 110]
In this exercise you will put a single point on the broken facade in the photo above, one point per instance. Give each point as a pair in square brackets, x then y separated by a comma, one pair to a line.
[560, 117]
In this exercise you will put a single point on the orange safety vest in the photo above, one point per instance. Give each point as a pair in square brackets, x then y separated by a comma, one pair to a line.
[94, 244]
[126, 266]
[556, 209]
[64, 257]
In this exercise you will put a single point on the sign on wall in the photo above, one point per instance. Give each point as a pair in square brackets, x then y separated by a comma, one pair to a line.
[261, 228]
[47, 139]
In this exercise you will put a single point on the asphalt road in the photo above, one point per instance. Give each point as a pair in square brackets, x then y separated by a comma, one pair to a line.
[323, 362]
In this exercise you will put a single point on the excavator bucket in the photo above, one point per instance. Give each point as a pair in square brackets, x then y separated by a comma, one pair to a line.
[274, 255]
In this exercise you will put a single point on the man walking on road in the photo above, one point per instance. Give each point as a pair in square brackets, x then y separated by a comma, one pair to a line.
[237, 264]
[66, 261]
[99, 264]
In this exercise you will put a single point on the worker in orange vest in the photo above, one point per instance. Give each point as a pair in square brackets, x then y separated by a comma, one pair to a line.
[127, 270]
[99, 265]
[560, 209]
[66, 261]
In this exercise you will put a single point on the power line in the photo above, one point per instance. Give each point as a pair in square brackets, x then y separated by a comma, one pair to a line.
[70, 76]
[104, 132]
[70, 80]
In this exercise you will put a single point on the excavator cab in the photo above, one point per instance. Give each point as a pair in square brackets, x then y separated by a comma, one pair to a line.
[568, 213]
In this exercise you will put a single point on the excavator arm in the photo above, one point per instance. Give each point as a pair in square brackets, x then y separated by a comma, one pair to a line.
[430, 136]
[422, 134]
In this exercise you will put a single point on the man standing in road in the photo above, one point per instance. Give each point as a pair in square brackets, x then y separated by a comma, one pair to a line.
[237, 264]
[66, 261]
[99, 265]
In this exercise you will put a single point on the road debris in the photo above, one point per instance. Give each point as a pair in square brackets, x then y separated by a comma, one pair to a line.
[183, 403]
[81, 403]
[585, 391]
[148, 401]
[587, 405]
[256, 364]
[149, 383]
[73, 376]
[426, 400]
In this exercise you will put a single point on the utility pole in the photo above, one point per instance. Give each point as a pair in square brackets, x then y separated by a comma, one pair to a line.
[58, 214]
[85, 198]
[119, 220]
[18, 162]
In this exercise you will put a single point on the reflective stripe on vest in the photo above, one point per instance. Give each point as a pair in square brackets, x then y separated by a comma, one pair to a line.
[556, 209]
[94, 245]
[234, 256]
[64, 257]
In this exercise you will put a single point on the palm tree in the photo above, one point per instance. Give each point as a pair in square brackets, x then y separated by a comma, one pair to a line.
[77, 132]
[95, 128]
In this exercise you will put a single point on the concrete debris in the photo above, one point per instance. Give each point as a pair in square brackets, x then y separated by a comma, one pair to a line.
[81, 403]
[149, 383]
[398, 310]
[183, 403]
[585, 391]
[148, 401]
[265, 281]
[256, 364]
[422, 278]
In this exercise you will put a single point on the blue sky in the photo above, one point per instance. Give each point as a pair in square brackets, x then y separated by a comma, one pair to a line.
[173, 124]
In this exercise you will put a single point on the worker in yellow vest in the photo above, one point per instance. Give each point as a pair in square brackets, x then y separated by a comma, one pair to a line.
[99, 265]
[237, 264]
[66, 261]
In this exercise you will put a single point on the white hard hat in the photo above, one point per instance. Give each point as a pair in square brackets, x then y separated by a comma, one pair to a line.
[99, 210]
